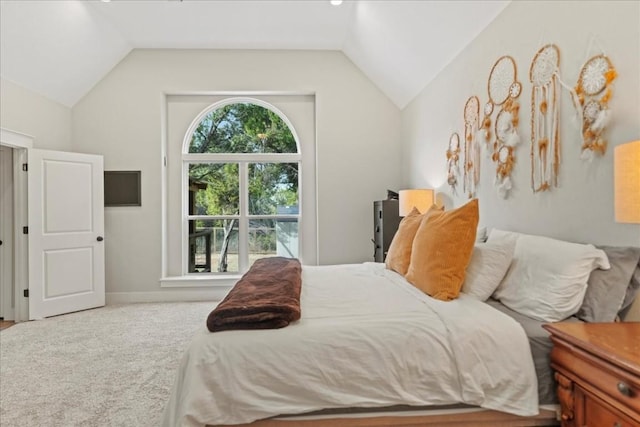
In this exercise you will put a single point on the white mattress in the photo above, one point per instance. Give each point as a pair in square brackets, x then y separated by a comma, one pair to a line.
[367, 338]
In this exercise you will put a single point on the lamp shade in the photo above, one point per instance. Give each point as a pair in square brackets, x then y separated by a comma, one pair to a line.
[422, 199]
[626, 178]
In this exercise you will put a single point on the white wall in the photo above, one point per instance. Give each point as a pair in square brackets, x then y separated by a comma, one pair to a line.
[357, 138]
[24, 111]
[581, 209]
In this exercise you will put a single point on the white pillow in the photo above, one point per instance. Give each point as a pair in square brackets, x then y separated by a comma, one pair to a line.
[489, 263]
[481, 235]
[547, 279]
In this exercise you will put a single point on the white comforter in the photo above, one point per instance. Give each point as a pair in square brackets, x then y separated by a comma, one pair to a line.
[367, 338]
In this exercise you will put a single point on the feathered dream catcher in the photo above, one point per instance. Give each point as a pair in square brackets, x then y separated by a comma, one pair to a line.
[453, 155]
[545, 145]
[593, 93]
[471, 146]
[504, 90]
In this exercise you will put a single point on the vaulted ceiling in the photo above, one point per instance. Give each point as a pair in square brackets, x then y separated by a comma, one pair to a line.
[62, 48]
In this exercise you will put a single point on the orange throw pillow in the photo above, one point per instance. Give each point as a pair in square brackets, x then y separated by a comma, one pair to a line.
[442, 249]
[399, 254]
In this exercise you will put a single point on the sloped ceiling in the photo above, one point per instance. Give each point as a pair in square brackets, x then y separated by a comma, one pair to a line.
[61, 49]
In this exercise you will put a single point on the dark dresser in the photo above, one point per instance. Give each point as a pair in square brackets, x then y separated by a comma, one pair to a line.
[385, 224]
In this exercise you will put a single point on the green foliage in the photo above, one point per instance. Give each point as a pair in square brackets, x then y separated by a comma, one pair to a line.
[244, 128]
[217, 188]
[272, 185]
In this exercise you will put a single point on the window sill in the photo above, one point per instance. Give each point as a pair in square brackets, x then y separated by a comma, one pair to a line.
[205, 281]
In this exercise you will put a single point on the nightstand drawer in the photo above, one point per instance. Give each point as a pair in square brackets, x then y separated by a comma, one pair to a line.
[598, 414]
[598, 371]
[600, 376]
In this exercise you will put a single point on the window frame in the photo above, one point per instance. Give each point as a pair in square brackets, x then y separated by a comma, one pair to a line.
[243, 160]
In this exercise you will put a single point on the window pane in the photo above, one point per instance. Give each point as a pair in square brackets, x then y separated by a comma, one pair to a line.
[213, 189]
[273, 237]
[209, 251]
[242, 128]
[273, 188]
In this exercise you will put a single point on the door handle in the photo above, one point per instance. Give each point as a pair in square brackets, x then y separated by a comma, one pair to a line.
[100, 239]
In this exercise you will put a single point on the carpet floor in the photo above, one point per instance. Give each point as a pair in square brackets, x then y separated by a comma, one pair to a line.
[111, 366]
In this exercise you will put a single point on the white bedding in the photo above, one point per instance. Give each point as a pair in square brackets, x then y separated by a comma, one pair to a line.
[367, 338]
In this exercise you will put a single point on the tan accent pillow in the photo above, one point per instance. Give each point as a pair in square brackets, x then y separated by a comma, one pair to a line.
[399, 254]
[442, 249]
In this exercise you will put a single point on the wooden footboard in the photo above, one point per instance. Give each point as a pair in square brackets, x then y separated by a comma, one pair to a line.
[483, 418]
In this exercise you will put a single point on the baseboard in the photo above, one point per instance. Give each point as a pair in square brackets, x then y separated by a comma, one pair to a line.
[180, 295]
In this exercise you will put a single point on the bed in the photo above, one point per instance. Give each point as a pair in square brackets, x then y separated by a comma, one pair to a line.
[371, 348]
[367, 339]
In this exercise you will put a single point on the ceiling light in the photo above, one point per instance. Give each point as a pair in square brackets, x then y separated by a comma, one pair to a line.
[106, 1]
[336, 2]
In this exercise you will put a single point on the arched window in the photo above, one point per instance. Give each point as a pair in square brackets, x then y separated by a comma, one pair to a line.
[241, 168]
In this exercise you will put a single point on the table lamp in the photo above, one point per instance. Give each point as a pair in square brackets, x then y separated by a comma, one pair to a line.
[422, 199]
[626, 178]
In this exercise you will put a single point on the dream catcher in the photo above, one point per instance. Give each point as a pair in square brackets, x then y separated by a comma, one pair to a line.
[593, 94]
[453, 155]
[471, 146]
[505, 159]
[504, 89]
[545, 145]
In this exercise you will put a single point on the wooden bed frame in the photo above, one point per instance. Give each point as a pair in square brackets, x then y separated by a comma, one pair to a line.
[482, 418]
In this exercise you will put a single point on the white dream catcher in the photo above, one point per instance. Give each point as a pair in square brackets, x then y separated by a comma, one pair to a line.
[593, 93]
[471, 147]
[453, 155]
[545, 145]
[505, 159]
[504, 89]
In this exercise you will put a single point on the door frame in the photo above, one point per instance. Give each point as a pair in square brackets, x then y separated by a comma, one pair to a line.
[7, 300]
[20, 143]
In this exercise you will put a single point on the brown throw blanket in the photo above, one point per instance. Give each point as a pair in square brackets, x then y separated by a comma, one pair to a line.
[266, 297]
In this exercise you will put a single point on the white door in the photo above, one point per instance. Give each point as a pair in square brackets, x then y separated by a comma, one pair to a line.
[66, 228]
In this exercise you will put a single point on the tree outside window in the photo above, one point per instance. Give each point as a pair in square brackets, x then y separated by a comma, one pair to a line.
[243, 170]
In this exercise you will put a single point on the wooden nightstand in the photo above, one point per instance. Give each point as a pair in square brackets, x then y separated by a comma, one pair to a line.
[598, 372]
